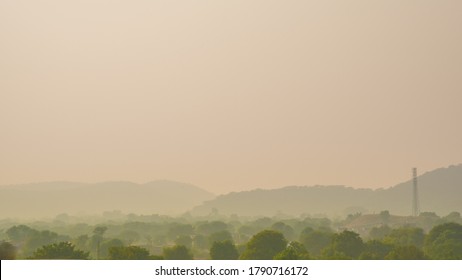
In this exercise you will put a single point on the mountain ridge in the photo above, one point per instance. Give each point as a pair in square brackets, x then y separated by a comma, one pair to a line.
[440, 191]
[53, 198]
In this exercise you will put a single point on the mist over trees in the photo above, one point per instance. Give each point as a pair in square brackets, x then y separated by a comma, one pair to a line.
[140, 237]
[218, 230]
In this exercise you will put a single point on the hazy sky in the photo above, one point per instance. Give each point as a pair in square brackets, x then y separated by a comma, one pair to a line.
[229, 95]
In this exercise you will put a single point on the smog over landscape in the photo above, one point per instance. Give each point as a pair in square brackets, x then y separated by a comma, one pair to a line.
[162, 126]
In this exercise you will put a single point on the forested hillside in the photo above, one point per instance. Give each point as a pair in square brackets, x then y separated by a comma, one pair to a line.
[440, 191]
[50, 199]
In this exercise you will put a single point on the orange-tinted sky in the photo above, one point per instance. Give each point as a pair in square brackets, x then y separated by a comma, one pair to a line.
[229, 95]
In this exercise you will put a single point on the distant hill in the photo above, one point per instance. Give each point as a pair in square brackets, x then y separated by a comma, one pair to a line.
[440, 191]
[49, 199]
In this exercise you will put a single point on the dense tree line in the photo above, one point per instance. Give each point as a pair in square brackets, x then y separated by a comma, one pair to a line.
[257, 239]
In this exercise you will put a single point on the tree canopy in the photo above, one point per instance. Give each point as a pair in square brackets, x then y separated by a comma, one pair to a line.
[231, 238]
[128, 253]
[7, 251]
[224, 250]
[408, 252]
[264, 245]
[406, 236]
[59, 251]
[345, 245]
[444, 242]
[294, 251]
[177, 252]
[375, 250]
[315, 240]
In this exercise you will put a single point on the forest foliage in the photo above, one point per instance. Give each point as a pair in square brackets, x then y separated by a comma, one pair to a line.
[368, 237]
